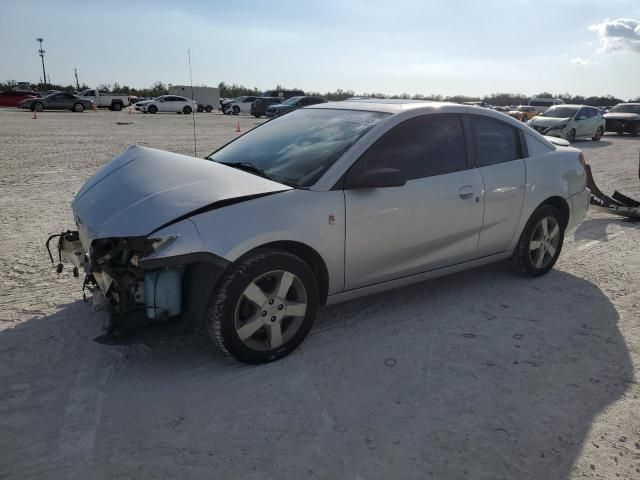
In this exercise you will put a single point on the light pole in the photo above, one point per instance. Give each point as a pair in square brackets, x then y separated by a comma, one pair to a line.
[41, 53]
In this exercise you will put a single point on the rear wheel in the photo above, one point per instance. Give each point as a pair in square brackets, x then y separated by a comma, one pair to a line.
[540, 243]
[257, 115]
[187, 110]
[78, 107]
[208, 109]
[38, 106]
[117, 107]
[152, 109]
[236, 110]
[598, 134]
[200, 109]
[635, 131]
[264, 307]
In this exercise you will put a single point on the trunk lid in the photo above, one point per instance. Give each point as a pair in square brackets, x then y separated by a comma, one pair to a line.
[144, 188]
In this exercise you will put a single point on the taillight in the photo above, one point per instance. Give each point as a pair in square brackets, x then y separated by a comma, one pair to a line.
[583, 161]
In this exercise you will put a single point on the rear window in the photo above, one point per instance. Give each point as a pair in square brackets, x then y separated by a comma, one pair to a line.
[496, 141]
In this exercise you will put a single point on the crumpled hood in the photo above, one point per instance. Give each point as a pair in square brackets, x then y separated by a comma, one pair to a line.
[621, 116]
[548, 121]
[145, 188]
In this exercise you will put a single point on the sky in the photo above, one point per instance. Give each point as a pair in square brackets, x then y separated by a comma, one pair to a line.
[472, 47]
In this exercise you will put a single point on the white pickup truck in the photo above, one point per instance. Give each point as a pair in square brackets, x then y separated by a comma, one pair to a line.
[112, 101]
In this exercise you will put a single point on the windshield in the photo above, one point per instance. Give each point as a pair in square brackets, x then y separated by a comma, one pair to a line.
[297, 148]
[626, 109]
[239, 99]
[560, 112]
[291, 101]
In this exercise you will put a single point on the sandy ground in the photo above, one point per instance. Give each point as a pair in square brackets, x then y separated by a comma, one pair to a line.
[481, 375]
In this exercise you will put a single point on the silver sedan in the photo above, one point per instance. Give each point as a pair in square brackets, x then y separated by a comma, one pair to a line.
[320, 205]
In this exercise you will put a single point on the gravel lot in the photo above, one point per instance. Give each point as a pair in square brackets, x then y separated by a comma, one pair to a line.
[480, 375]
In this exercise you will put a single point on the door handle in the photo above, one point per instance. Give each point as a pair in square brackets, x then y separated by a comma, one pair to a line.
[466, 192]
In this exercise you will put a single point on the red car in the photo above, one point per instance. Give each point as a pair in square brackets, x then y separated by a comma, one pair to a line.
[13, 98]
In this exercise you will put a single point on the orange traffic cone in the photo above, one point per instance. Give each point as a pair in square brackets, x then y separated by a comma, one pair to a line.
[35, 115]
[238, 126]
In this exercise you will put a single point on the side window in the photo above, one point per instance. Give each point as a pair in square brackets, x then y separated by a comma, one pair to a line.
[420, 147]
[495, 141]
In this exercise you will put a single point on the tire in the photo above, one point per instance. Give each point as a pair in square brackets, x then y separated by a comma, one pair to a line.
[257, 115]
[571, 136]
[598, 134]
[117, 107]
[200, 109]
[78, 107]
[259, 275]
[531, 261]
[236, 110]
[187, 110]
[37, 107]
[636, 130]
[152, 109]
[208, 109]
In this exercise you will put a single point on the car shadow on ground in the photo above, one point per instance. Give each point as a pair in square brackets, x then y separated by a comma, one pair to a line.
[481, 375]
[588, 144]
[596, 228]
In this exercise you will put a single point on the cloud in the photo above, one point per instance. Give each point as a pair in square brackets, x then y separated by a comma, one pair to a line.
[617, 35]
[581, 61]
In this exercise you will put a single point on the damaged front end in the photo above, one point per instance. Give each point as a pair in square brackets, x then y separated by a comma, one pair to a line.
[116, 277]
[135, 240]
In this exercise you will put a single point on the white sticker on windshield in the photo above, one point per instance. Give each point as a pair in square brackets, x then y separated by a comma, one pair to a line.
[363, 119]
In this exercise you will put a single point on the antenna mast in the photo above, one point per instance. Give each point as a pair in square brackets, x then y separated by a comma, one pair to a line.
[193, 110]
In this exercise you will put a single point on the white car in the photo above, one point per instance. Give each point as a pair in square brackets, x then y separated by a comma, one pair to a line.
[239, 105]
[570, 122]
[321, 205]
[167, 103]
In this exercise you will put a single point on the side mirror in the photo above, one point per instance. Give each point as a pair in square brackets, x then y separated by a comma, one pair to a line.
[376, 178]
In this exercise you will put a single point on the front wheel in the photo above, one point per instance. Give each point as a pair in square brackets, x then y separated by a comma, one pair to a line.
[200, 109]
[257, 115]
[540, 243]
[117, 107]
[635, 131]
[152, 109]
[571, 135]
[598, 134]
[208, 109]
[38, 107]
[78, 107]
[187, 110]
[264, 307]
[236, 110]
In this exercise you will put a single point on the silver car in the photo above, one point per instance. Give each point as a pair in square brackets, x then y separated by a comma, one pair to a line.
[320, 205]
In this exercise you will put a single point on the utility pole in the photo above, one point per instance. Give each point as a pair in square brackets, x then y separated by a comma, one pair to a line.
[75, 70]
[41, 53]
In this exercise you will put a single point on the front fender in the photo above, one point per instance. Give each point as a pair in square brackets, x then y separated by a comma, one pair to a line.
[315, 219]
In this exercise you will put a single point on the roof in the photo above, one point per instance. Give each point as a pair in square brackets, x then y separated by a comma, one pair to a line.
[387, 105]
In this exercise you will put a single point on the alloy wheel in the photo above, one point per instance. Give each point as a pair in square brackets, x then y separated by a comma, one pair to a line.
[270, 310]
[571, 135]
[544, 242]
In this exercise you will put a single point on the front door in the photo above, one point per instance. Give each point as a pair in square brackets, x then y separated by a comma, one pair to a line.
[432, 221]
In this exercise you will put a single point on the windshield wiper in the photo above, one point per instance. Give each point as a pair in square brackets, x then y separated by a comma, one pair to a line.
[248, 167]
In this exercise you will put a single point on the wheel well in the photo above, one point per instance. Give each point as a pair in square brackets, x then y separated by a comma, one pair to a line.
[560, 204]
[311, 258]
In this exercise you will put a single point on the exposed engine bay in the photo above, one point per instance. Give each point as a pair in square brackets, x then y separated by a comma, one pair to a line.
[117, 282]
